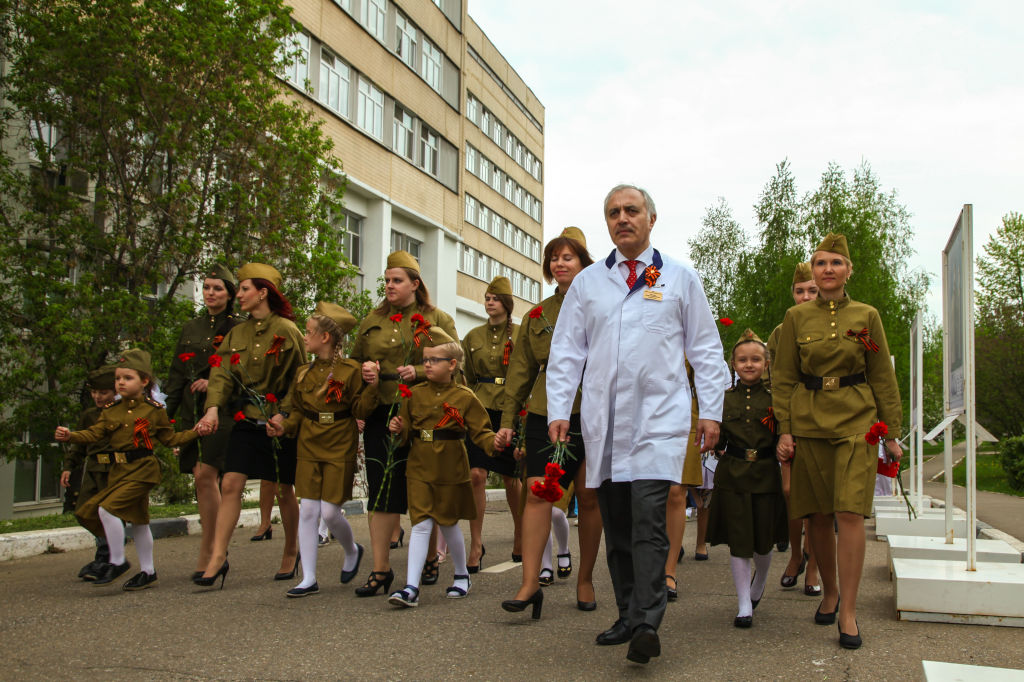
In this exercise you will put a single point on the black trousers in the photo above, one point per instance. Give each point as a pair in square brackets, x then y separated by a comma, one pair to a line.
[636, 544]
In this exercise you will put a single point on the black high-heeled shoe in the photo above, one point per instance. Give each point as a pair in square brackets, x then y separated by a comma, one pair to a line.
[517, 558]
[431, 570]
[378, 580]
[849, 641]
[268, 534]
[584, 605]
[196, 574]
[789, 581]
[671, 593]
[221, 573]
[822, 618]
[564, 571]
[395, 544]
[290, 574]
[479, 564]
[518, 605]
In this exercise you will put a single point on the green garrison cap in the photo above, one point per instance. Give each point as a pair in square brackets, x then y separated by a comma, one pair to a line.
[499, 286]
[341, 317]
[101, 379]
[137, 359]
[221, 271]
[436, 337]
[260, 271]
[802, 273]
[575, 234]
[834, 243]
[747, 335]
[403, 259]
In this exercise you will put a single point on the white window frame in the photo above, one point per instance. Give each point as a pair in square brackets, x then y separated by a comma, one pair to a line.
[405, 46]
[472, 109]
[403, 132]
[335, 77]
[471, 210]
[296, 71]
[430, 64]
[374, 16]
[370, 111]
[471, 160]
[430, 145]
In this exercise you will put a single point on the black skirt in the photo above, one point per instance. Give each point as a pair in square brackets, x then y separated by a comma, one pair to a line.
[502, 463]
[539, 449]
[252, 452]
[389, 495]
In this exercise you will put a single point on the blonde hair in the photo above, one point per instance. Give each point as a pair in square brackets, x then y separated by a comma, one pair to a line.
[326, 325]
[451, 350]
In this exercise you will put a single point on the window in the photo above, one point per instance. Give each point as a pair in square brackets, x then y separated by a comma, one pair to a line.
[351, 229]
[519, 153]
[509, 183]
[482, 266]
[485, 122]
[518, 196]
[485, 170]
[38, 479]
[495, 270]
[469, 261]
[497, 130]
[508, 234]
[471, 210]
[334, 80]
[406, 40]
[510, 144]
[403, 242]
[472, 108]
[296, 71]
[471, 160]
[496, 179]
[430, 68]
[373, 17]
[428, 147]
[403, 133]
[483, 218]
[496, 224]
[371, 109]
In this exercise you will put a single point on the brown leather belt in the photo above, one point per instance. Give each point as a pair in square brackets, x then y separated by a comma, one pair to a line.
[814, 383]
[123, 457]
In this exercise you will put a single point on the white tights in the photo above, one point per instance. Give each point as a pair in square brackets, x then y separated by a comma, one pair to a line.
[559, 534]
[741, 579]
[141, 533]
[310, 513]
[419, 545]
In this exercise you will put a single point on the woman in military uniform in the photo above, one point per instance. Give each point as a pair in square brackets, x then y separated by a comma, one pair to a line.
[832, 381]
[186, 395]
[388, 345]
[253, 370]
[488, 351]
[525, 389]
[675, 506]
[801, 554]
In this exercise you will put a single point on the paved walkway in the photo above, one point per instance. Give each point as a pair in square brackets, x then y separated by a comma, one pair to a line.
[54, 626]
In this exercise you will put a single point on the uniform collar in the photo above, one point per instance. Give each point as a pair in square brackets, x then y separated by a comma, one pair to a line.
[406, 311]
[836, 304]
[439, 386]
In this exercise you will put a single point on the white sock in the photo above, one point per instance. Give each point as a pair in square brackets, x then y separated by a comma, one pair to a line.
[761, 564]
[560, 531]
[545, 560]
[309, 524]
[419, 545]
[115, 536]
[741, 579]
[332, 517]
[143, 537]
[322, 529]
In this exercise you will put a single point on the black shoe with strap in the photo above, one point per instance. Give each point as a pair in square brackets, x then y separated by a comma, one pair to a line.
[432, 570]
[378, 581]
[111, 572]
[140, 581]
[517, 605]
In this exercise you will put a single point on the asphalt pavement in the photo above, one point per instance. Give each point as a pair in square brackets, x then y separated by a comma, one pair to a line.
[56, 627]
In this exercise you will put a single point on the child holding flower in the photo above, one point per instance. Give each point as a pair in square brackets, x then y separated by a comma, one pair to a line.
[435, 419]
[129, 426]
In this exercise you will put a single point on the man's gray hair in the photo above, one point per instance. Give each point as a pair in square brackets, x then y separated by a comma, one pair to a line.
[647, 197]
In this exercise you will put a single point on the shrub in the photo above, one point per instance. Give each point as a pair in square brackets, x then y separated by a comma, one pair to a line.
[1011, 456]
[175, 487]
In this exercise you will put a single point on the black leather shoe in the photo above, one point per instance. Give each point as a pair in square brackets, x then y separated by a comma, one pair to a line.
[92, 570]
[516, 605]
[755, 602]
[618, 633]
[671, 593]
[111, 572]
[298, 592]
[644, 645]
[849, 641]
[346, 576]
[826, 618]
[743, 621]
[139, 581]
[290, 574]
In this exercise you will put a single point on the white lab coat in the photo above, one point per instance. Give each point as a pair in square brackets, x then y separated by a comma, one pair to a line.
[636, 396]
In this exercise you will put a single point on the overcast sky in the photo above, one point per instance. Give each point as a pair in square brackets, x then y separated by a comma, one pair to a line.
[700, 100]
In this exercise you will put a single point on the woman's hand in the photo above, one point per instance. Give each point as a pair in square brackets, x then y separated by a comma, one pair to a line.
[65, 479]
[62, 434]
[395, 425]
[199, 385]
[275, 427]
[371, 372]
[893, 449]
[503, 438]
[209, 423]
[785, 448]
[407, 372]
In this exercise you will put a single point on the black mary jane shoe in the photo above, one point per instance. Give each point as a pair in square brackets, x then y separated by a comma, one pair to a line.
[480, 563]
[565, 571]
[431, 570]
[644, 645]
[849, 641]
[375, 583]
[618, 633]
[111, 572]
[92, 570]
[346, 576]
[812, 590]
[822, 618]
[140, 581]
[546, 577]
[536, 600]
[743, 621]
[297, 592]
[672, 593]
[290, 574]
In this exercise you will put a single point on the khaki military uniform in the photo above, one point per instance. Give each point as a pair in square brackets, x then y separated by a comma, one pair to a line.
[324, 426]
[693, 469]
[834, 466]
[390, 343]
[488, 352]
[438, 470]
[748, 510]
[127, 493]
[88, 474]
[201, 336]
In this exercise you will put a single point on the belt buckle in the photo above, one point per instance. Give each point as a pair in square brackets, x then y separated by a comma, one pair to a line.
[751, 454]
[120, 457]
[830, 383]
[103, 458]
[427, 435]
[326, 418]
[499, 381]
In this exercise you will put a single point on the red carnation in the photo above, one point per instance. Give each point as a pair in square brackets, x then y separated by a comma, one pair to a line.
[185, 357]
[239, 416]
[271, 398]
[552, 470]
[536, 313]
[235, 359]
[871, 438]
[418, 319]
[725, 321]
[397, 317]
[522, 413]
[878, 431]
[173, 422]
[214, 361]
[404, 391]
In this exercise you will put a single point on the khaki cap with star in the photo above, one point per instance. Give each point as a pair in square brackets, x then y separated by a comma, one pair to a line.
[499, 286]
[575, 234]
[341, 317]
[137, 359]
[260, 271]
[802, 273]
[101, 379]
[403, 259]
[834, 243]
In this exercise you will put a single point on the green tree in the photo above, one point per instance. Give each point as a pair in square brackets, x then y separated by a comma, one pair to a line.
[142, 141]
[1000, 274]
[716, 252]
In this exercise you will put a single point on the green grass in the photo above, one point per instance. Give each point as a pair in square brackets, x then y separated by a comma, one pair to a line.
[991, 476]
[163, 511]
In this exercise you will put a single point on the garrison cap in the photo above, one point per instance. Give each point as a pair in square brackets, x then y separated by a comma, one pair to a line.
[747, 335]
[341, 317]
[834, 243]
[137, 359]
[260, 271]
[436, 337]
[575, 234]
[222, 272]
[101, 379]
[500, 286]
[802, 273]
[403, 259]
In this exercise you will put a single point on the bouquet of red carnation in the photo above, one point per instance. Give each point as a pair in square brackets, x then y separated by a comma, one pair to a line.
[548, 488]
[878, 432]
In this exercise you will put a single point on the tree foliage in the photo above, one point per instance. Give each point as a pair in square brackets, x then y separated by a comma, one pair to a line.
[143, 141]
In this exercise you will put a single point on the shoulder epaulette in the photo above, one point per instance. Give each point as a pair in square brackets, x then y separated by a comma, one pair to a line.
[152, 401]
[113, 402]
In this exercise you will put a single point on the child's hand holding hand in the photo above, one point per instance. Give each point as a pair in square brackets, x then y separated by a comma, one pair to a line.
[65, 479]
[371, 372]
[395, 425]
[62, 434]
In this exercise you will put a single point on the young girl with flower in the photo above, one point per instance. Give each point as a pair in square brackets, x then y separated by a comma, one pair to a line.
[130, 426]
[748, 511]
[324, 402]
[435, 420]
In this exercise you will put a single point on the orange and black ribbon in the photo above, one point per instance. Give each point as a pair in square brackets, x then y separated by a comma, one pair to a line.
[334, 388]
[451, 414]
[141, 433]
[422, 329]
[864, 337]
[507, 354]
[770, 421]
[217, 340]
[275, 348]
[651, 275]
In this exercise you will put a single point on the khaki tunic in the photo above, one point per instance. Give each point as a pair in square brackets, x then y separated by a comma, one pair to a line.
[693, 469]
[201, 336]
[525, 382]
[326, 452]
[438, 472]
[252, 340]
[127, 493]
[390, 343]
[484, 348]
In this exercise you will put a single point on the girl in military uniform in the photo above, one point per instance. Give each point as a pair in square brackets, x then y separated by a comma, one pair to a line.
[832, 382]
[186, 395]
[748, 511]
[385, 345]
[323, 404]
[488, 351]
[82, 462]
[130, 426]
[525, 388]
[435, 419]
[253, 370]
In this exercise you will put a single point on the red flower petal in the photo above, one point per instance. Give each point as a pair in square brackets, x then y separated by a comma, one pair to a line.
[536, 313]
[404, 391]
[239, 416]
[271, 398]
[397, 317]
[214, 361]
[725, 321]
[235, 359]
[185, 357]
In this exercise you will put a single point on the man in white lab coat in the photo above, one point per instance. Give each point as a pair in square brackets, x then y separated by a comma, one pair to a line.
[630, 320]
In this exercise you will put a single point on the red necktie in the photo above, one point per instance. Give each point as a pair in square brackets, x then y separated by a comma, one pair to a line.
[631, 280]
